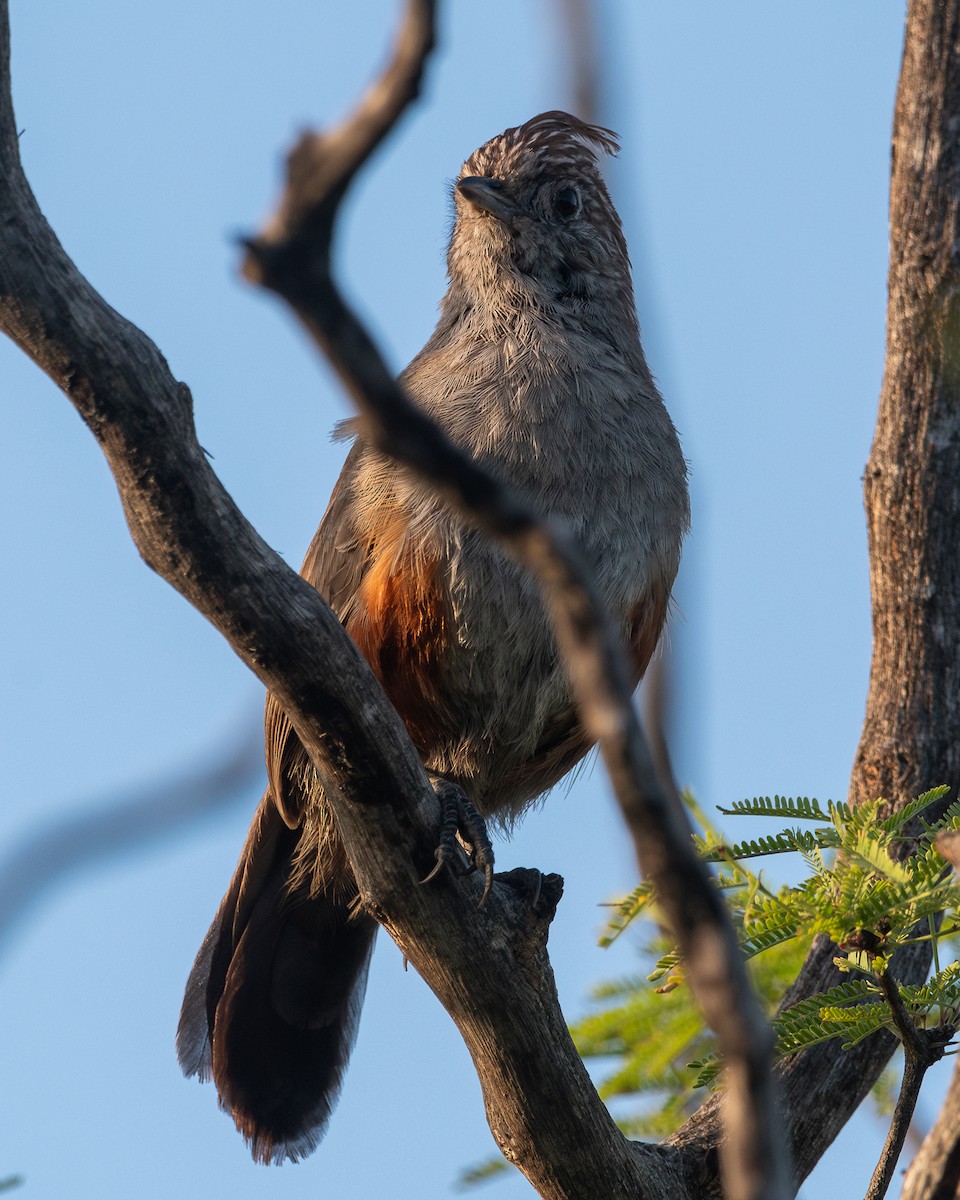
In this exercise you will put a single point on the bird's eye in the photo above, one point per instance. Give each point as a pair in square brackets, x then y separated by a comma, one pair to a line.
[566, 203]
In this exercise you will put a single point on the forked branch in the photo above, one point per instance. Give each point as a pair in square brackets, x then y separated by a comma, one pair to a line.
[188, 530]
[292, 258]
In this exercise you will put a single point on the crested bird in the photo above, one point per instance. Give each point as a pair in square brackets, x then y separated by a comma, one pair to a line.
[536, 370]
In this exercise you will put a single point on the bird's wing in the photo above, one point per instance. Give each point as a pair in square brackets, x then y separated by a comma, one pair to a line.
[335, 565]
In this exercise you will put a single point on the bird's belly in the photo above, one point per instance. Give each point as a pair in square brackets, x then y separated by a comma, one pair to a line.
[458, 636]
[505, 725]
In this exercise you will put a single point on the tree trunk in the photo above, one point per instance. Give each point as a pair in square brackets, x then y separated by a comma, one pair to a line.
[188, 529]
[911, 733]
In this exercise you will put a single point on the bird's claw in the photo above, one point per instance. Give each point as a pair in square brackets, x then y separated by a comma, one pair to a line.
[461, 829]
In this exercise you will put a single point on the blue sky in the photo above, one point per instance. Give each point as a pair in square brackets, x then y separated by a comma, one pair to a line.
[753, 186]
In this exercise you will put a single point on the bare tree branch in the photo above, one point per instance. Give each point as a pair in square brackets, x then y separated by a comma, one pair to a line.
[64, 845]
[914, 1070]
[911, 734]
[188, 530]
[934, 1173]
[580, 26]
[921, 1049]
[490, 969]
[292, 258]
[578, 22]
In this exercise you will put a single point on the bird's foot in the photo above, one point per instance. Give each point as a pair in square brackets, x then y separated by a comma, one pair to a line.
[461, 829]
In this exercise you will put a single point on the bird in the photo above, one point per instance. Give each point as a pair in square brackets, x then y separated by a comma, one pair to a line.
[535, 370]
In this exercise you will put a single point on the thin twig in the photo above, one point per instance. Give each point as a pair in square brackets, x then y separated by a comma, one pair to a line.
[921, 1049]
[913, 1073]
[578, 21]
[52, 850]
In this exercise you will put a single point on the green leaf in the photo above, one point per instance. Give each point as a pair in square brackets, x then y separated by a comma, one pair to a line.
[626, 911]
[757, 942]
[708, 1070]
[856, 1024]
[782, 843]
[782, 807]
[896, 821]
[869, 848]
[664, 965]
[809, 1022]
[866, 897]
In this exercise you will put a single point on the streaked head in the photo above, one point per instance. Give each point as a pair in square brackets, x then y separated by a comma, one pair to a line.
[532, 202]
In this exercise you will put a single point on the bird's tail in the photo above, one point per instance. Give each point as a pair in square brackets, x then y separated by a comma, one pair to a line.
[272, 1004]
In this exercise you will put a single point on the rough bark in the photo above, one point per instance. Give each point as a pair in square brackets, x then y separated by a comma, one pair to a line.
[541, 1105]
[489, 968]
[911, 733]
[934, 1173]
[912, 483]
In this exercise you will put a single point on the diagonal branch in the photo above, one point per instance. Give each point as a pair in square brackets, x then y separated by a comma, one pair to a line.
[188, 529]
[934, 1173]
[292, 258]
[911, 732]
[921, 1049]
[54, 849]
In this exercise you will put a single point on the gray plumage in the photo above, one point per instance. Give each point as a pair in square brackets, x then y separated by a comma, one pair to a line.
[535, 369]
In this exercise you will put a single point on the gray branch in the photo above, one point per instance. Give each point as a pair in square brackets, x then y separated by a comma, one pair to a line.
[934, 1173]
[188, 529]
[50, 852]
[911, 733]
[578, 22]
[921, 1049]
[292, 258]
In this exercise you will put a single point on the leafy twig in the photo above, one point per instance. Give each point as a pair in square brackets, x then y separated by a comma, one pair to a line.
[921, 1049]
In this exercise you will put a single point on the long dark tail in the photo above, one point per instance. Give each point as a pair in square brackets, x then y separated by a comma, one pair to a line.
[273, 1001]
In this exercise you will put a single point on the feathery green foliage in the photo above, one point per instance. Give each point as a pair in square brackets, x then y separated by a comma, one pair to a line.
[875, 883]
[863, 891]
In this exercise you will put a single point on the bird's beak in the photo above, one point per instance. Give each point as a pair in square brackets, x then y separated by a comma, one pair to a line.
[489, 196]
